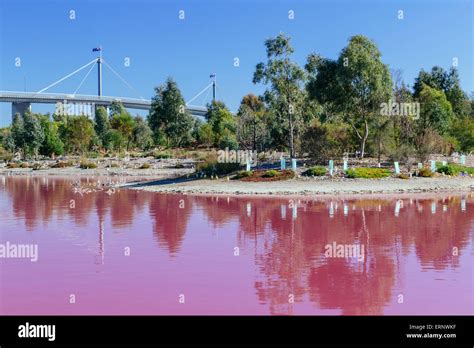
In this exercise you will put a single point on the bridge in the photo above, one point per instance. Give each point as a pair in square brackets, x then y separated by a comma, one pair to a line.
[21, 101]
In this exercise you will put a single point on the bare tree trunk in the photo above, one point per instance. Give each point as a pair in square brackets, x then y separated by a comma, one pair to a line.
[364, 139]
[291, 145]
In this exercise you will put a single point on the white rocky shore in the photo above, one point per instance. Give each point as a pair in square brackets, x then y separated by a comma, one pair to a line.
[310, 186]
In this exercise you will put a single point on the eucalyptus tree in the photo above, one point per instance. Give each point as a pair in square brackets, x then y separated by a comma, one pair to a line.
[285, 79]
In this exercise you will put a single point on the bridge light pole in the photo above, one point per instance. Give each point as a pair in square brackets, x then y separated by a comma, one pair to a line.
[213, 77]
[99, 70]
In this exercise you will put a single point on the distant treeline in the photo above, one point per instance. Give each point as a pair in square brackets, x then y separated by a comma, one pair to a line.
[353, 104]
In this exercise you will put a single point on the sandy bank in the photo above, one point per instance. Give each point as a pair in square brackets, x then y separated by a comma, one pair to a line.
[310, 186]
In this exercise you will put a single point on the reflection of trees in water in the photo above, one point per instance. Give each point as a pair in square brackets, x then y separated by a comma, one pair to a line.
[288, 252]
[170, 215]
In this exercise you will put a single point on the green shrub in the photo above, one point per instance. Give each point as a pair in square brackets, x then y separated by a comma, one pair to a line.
[244, 174]
[315, 171]
[425, 172]
[212, 167]
[448, 169]
[403, 176]
[63, 164]
[145, 166]
[367, 173]
[271, 173]
[87, 165]
[162, 154]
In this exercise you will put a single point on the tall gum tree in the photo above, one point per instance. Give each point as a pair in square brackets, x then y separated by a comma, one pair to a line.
[285, 79]
[354, 85]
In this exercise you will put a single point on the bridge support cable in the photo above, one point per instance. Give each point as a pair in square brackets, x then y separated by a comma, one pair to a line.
[67, 76]
[121, 78]
[197, 95]
[84, 79]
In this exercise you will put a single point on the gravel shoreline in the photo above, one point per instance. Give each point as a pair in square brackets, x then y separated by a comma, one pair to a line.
[310, 187]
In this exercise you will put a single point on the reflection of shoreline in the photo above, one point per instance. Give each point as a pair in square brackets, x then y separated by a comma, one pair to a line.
[283, 238]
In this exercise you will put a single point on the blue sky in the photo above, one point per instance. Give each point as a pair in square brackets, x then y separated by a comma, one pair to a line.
[213, 33]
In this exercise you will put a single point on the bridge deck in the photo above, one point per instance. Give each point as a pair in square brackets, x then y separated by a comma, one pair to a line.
[52, 98]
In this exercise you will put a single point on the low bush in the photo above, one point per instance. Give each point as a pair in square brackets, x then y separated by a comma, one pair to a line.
[271, 173]
[367, 173]
[13, 165]
[244, 174]
[265, 175]
[63, 164]
[315, 171]
[425, 172]
[145, 166]
[403, 176]
[210, 166]
[448, 169]
[87, 165]
[162, 154]
[454, 169]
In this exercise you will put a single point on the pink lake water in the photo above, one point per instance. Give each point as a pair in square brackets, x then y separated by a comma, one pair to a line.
[135, 252]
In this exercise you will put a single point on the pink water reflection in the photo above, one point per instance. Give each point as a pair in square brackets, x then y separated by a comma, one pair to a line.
[186, 245]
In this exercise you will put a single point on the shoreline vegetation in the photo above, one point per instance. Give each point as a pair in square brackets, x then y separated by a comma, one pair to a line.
[189, 173]
[338, 125]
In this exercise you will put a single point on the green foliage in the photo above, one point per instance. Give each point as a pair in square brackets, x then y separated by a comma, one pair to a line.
[145, 166]
[102, 126]
[228, 140]
[52, 144]
[142, 134]
[206, 135]
[454, 169]
[244, 174]
[425, 172]
[448, 83]
[354, 85]
[116, 140]
[327, 140]
[223, 125]
[27, 133]
[169, 117]
[162, 154]
[463, 130]
[124, 124]
[315, 171]
[251, 127]
[367, 173]
[436, 111]
[211, 166]
[77, 133]
[87, 165]
[285, 95]
[271, 173]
